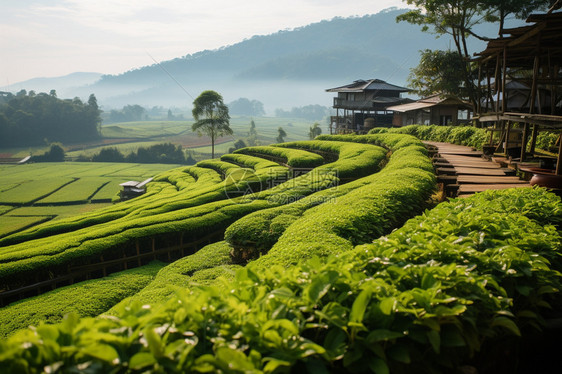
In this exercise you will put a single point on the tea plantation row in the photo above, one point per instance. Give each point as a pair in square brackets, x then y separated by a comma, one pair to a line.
[303, 282]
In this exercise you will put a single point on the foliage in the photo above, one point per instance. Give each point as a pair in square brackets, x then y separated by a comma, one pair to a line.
[54, 154]
[237, 145]
[439, 72]
[211, 117]
[314, 131]
[426, 298]
[28, 120]
[281, 134]
[463, 135]
[128, 113]
[310, 112]
[109, 154]
[164, 153]
[180, 273]
[86, 299]
[246, 107]
[292, 157]
[458, 19]
[546, 140]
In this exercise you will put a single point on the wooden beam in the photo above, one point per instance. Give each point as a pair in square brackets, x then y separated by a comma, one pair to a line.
[558, 164]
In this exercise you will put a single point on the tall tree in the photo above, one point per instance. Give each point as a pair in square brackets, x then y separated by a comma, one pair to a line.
[252, 134]
[452, 17]
[458, 18]
[314, 131]
[211, 117]
[438, 72]
[281, 134]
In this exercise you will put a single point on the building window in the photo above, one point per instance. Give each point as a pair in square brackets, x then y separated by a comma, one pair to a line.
[445, 120]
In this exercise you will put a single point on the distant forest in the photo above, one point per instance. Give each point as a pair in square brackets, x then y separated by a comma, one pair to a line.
[29, 119]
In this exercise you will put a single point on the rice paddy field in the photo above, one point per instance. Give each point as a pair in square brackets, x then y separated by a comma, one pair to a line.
[35, 193]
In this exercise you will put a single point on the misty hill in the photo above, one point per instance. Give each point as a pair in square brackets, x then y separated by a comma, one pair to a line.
[65, 85]
[285, 69]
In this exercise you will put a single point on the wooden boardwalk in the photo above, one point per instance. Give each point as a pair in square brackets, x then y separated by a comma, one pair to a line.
[463, 171]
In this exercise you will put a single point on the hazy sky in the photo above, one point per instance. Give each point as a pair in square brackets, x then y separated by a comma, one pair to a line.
[56, 37]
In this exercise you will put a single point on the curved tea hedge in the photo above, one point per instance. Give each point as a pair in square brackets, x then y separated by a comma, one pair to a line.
[292, 157]
[85, 299]
[463, 135]
[194, 201]
[425, 298]
[353, 160]
[256, 233]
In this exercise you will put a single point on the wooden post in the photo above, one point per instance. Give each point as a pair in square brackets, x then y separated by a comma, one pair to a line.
[534, 85]
[497, 83]
[507, 131]
[534, 138]
[479, 102]
[558, 166]
[504, 75]
[524, 141]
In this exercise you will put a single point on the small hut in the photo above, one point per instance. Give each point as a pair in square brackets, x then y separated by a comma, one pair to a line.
[133, 189]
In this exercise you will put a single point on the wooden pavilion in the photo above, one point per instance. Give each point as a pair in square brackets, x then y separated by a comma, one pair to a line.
[364, 104]
[525, 61]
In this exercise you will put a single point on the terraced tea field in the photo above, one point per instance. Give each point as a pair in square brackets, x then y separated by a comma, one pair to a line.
[36, 193]
[328, 255]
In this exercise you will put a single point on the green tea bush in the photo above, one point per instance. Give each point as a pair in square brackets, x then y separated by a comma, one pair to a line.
[463, 135]
[353, 160]
[292, 157]
[546, 140]
[85, 299]
[243, 160]
[178, 275]
[255, 234]
[425, 298]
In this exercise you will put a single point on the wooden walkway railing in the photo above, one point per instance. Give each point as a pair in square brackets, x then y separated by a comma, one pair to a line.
[100, 267]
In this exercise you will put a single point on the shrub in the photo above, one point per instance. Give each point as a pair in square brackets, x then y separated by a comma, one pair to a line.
[425, 298]
[292, 157]
[463, 135]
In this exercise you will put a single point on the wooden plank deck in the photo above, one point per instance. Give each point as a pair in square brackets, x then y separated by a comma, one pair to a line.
[471, 188]
[482, 179]
[463, 171]
[479, 171]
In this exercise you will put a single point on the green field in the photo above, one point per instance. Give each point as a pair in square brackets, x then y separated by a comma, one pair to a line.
[34, 193]
[129, 136]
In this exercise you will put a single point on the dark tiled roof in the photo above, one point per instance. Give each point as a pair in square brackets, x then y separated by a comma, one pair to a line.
[368, 85]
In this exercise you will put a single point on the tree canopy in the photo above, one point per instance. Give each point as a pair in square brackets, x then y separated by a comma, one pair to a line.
[281, 134]
[458, 18]
[438, 72]
[211, 117]
[33, 119]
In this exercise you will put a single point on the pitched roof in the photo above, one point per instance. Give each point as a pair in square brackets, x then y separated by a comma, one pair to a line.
[430, 101]
[368, 85]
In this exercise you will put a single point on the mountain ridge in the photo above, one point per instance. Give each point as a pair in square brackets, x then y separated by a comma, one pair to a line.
[285, 69]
